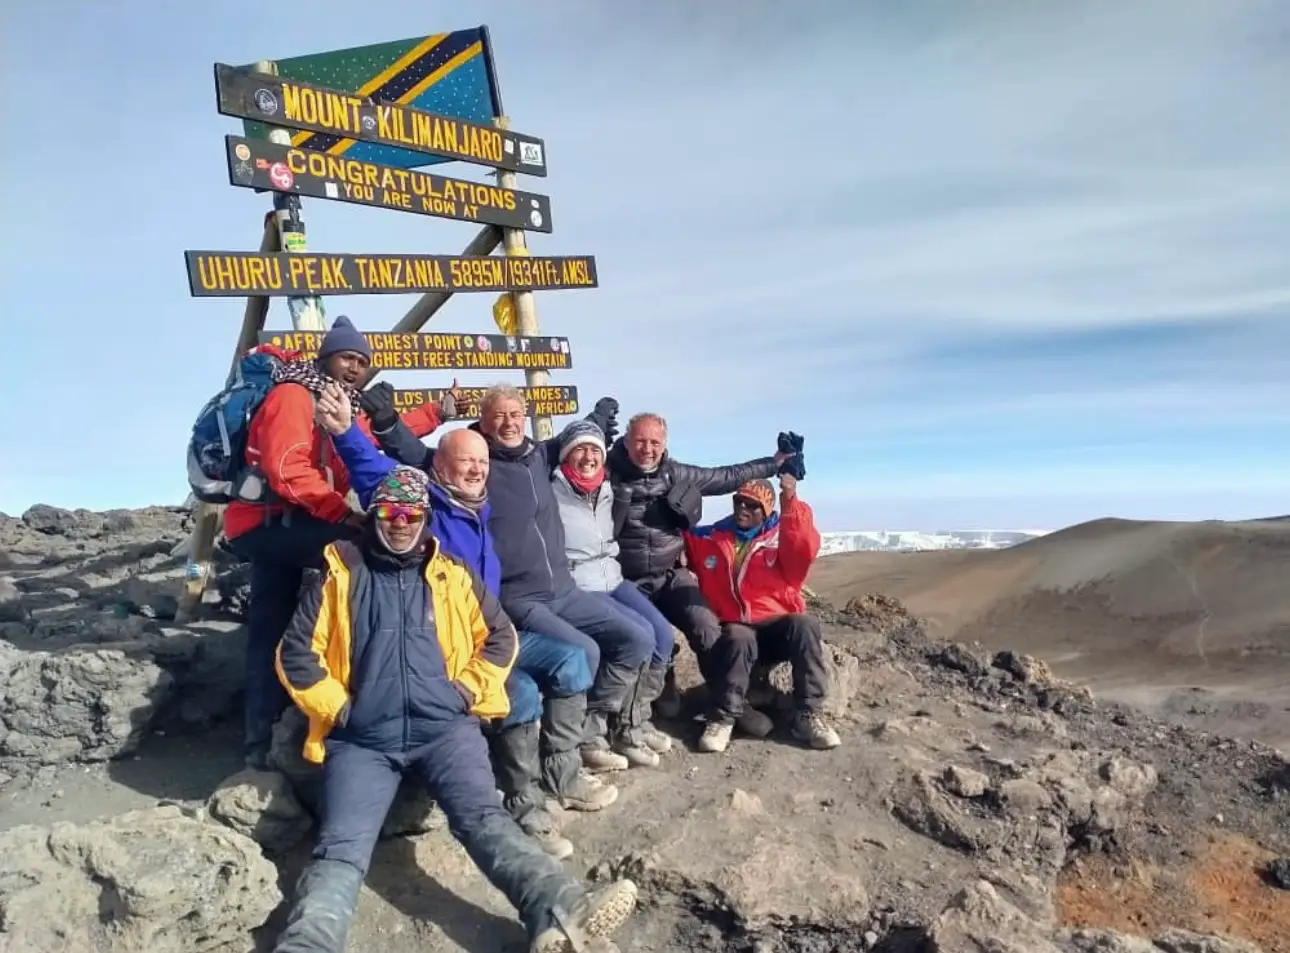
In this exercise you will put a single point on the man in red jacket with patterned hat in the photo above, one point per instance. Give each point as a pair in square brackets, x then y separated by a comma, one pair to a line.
[304, 507]
[751, 567]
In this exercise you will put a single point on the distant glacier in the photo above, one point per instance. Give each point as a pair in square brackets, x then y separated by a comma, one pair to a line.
[911, 541]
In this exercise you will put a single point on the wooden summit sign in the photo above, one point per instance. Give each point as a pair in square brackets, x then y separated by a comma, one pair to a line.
[295, 105]
[257, 164]
[285, 274]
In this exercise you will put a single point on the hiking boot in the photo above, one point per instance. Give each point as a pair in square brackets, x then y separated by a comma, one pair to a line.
[755, 723]
[634, 749]
[716, 736]
[320, 914]
[602, 758]
[812, 728]
[597, 755]
[654, 739]
[586, 792]
[540, 826]
[594, 917]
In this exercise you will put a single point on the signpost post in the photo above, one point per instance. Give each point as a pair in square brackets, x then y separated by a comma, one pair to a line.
[355, 126]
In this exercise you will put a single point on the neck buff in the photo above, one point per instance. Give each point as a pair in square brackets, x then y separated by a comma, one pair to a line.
[584, 485]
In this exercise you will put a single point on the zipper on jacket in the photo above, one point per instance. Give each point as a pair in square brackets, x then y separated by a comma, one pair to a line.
[403, 658]
[738, 578]
[546, 553]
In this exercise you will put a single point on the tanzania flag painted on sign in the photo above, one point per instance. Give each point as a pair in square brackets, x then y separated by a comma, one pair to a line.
[447, 73]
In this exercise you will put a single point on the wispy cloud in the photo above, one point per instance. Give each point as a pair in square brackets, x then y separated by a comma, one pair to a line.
[1007, 241]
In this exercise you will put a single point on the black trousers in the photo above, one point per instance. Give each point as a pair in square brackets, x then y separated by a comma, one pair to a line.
[728, 652]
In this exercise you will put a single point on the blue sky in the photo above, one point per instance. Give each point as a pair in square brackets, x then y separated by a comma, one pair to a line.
[1003, 264]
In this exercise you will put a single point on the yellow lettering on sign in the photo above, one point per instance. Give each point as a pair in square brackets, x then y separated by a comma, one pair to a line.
[333, 111]
[237, 273]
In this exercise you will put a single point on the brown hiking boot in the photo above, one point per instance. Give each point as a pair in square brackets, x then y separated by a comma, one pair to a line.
[813, 729]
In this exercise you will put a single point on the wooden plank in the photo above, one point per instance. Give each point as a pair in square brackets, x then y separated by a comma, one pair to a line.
[215, 274]
[246, 94]
[254, 164]
[553, 401]
[446, 350]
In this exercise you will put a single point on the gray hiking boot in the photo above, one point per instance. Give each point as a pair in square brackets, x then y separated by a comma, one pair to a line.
[586, 927]
[634, 748]
[541, 826]
[649, 689]
[668, 703]
[813, 729]
[586, 792]
[654, 739]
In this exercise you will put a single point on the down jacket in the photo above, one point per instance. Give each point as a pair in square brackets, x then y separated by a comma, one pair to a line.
[649, 537]
[589, 535]
[767, 582]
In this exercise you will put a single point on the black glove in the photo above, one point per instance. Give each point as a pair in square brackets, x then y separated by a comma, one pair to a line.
[795, 465]
[607, 410]
[378, 403]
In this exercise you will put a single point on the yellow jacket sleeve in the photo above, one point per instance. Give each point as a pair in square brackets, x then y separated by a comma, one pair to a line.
[496, 647]
[302, 664]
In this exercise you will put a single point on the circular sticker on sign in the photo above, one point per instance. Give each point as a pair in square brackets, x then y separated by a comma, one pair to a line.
[710, 562]
[242, 151]
[368, 122]
[265, 101]
[555, 344]
[281, 176]
[468, 341]
[536, 218]
[295, 241]
[482, 343]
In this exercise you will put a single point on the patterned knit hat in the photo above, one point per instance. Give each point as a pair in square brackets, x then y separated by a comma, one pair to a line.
[406, 485]
[760, 492]
[580, 432]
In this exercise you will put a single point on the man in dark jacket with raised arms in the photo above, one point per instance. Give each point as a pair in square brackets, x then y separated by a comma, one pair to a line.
[395, 654]
[656, 499]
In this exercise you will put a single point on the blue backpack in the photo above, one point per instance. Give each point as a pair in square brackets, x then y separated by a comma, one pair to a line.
[217, 448]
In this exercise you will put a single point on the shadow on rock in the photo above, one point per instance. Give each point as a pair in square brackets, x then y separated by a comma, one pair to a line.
[180, 767]
[400, 879]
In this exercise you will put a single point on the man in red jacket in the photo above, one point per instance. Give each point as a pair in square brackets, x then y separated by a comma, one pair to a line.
[304, 507]
[751, 567]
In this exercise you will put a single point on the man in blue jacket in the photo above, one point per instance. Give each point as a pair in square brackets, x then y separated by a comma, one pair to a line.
[538, 740]
[537, 589]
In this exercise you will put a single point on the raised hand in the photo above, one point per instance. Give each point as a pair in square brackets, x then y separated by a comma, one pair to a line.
[332, 409]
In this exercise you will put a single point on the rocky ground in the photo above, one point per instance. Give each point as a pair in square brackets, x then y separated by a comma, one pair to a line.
[977, 805]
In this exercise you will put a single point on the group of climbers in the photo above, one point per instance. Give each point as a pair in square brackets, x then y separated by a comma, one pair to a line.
[498, 616]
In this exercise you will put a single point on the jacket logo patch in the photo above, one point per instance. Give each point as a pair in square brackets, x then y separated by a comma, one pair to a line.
[770, 557]
[710, 562]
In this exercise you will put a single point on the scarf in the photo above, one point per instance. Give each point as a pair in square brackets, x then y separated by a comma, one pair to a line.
[474, 504]
[311, 377]
[587, 486]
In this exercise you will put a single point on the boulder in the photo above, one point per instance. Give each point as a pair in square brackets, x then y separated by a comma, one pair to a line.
[150, 881]
[978, 919]
[88, 705]
[262, 806]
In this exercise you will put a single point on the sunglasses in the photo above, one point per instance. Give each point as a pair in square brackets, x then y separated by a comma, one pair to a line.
[747, 503]
[393, 511]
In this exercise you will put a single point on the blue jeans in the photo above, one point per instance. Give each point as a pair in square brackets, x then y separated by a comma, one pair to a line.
[545, 666]
[616, 644]
[639, 605]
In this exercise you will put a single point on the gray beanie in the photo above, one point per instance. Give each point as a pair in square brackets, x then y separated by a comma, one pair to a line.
[580, 432]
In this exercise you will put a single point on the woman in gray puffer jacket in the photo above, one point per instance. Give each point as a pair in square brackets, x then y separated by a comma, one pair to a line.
[586, 503]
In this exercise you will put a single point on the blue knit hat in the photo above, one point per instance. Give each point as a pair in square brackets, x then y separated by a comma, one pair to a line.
[343, 336]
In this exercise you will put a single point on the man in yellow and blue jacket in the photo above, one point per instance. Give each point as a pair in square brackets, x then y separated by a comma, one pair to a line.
[395, 655]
